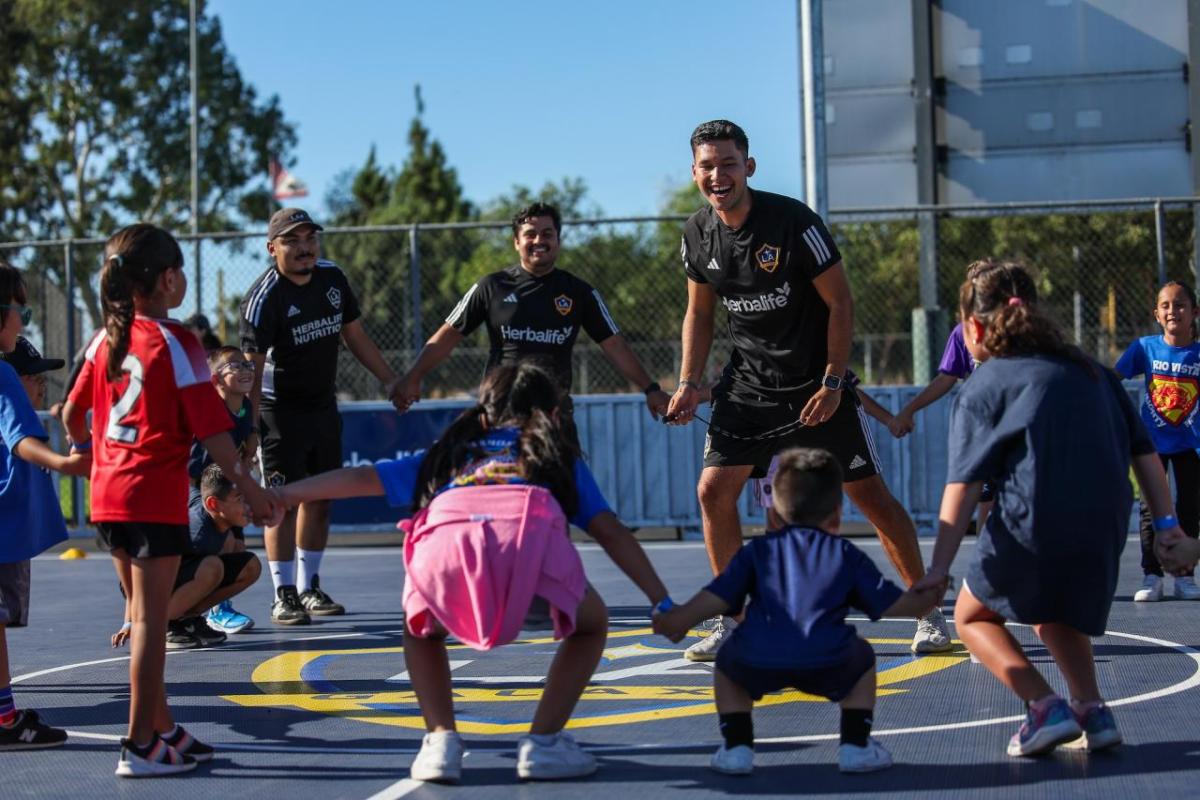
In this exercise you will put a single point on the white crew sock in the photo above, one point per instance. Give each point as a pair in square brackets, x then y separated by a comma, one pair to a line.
[283, 573]
[310, 565]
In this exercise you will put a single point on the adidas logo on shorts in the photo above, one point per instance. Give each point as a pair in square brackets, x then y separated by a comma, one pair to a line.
[713, 265]
[857, 462]
[512, 297]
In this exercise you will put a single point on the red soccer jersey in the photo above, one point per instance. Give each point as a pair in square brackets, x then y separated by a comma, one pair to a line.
[143, 423]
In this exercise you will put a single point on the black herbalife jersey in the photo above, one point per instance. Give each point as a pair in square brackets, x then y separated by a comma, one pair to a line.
[298, 328]
[763, 273]
[532, 316]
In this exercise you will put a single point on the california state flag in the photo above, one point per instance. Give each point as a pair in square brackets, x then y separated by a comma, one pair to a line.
[285, 185]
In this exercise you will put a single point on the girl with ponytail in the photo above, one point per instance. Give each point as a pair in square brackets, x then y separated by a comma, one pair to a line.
[1057, 434]
[146, 380]
[489, 546]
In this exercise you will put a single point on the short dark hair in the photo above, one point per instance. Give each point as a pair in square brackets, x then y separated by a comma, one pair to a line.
[215, 483]
[720, 130]
[533, 211]
[807, 486]
[12, 285]
[217, 355]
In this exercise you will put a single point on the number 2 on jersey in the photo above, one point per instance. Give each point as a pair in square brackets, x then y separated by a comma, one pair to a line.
[116, 431]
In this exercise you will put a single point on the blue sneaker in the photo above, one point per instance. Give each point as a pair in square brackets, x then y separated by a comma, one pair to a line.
[225, 619]
[1044, 730]
[1099, 729]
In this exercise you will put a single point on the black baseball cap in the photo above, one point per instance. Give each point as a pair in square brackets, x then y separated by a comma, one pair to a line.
[26, 359]
[286, 220]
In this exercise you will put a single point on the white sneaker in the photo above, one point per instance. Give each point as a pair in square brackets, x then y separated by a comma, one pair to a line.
[738, 761]
[563, 758]
[852, 758]
[932, 635]
[1151, 591]
[1186, 589]
[440, 759]
[706, 648]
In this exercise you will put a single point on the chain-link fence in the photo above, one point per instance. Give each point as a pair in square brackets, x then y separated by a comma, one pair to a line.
[1098, 266]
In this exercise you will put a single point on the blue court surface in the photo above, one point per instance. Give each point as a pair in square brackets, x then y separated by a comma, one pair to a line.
[325, 711]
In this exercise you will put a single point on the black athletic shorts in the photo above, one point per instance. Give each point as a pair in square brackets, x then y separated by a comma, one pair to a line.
[833, 682]
[751, 429]
[144, 539]
[234, 563]
[298, 444]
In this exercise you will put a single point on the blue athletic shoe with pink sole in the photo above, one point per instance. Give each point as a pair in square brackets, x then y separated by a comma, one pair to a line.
[1099, 729]
[1045, 729]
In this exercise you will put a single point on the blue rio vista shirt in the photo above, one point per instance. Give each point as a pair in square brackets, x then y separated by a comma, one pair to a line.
[1172, 376]
[32, 518]
[498, 464]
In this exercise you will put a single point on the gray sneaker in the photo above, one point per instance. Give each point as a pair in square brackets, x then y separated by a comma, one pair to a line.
[932, 634]
[706, 648]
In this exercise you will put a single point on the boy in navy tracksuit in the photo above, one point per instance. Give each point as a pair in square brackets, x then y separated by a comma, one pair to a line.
[802, 580]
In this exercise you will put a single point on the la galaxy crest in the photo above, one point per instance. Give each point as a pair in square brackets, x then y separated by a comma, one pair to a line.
[767, 257]
[563, 304]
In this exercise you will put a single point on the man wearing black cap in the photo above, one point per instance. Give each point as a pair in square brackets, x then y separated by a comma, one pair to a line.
[292, 320]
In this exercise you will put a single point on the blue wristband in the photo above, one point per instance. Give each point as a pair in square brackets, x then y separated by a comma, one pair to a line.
[664, 605]
[82, 447]
[1165, 523]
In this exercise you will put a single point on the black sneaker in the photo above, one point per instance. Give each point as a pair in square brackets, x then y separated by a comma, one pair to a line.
[318, 603]
[206, 636]
[30, 733]
[287, 610]
[187, 745]
[180, 636]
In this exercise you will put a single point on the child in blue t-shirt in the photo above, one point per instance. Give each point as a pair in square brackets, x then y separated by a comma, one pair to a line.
[801, 581]
[33, 520]
[516, 438]
[1171, 366]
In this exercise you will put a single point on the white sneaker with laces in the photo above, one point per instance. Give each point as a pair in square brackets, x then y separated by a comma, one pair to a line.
[734, 761]
[440, 759]
[1186, 589]
[706, 648]
[562, 758]
[852, 758]
[1151, 591]
[932, 635]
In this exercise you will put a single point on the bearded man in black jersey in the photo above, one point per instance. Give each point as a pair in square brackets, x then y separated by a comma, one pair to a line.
[533, 310]
[293, 320]
[772, 263]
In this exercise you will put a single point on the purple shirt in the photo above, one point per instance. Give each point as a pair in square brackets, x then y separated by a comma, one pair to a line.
[956, 359]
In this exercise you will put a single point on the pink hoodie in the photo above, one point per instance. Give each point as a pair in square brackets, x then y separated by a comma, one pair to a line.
[476, 556]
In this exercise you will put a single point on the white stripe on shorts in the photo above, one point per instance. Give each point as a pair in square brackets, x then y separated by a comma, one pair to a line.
[866, 429]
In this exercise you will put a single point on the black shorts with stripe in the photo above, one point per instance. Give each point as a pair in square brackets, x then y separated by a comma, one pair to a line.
[750, 429]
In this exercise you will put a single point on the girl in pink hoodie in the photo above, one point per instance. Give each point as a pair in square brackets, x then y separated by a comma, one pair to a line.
[489, 545]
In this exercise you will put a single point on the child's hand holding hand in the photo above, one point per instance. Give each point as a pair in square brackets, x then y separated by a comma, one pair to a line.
[78, 462]
[667, 624]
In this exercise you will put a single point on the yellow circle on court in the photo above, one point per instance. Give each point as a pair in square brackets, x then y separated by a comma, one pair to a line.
[283, 682]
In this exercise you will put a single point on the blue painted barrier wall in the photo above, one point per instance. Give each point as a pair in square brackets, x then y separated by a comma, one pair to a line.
[647, 470]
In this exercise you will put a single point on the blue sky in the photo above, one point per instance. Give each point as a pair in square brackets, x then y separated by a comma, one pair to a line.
[607, 91]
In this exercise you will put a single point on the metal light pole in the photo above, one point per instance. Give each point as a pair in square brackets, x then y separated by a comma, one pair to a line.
[195, 146]
[812, 79]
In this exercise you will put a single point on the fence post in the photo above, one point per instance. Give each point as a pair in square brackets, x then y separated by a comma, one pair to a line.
[416, 329]
[1160, 241]
[75, 484]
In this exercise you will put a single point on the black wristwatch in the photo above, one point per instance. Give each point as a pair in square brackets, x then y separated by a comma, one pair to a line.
[832, 382]
[652, 387]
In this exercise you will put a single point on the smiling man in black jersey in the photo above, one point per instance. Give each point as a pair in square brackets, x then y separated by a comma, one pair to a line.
[293, 320]
[533, 310]
[772, 263]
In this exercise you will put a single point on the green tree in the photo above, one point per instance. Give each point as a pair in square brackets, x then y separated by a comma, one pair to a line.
[424, 190]
[96, 123]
